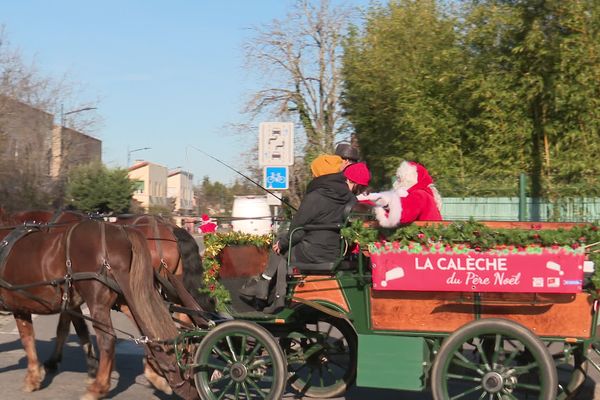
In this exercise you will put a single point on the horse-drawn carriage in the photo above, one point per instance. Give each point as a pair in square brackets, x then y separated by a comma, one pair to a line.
[448, 307]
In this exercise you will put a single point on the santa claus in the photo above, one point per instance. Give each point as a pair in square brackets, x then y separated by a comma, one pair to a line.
[207, 225]
[413, 198]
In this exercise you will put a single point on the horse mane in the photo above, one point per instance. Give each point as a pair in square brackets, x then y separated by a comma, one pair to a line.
[192, 267]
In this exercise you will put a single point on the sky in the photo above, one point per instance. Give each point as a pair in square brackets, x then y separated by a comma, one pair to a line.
[168, 75]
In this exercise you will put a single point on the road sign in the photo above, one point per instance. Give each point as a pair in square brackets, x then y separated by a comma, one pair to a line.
[276, 144]
[276, 178]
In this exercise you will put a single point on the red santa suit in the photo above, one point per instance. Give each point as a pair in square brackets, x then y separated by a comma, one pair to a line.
[414, 198]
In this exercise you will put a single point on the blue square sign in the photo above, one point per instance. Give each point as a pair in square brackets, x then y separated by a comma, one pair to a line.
[276, 178]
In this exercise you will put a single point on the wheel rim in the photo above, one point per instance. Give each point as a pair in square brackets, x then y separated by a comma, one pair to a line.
[495, 367]
[321, 358]
[236, 364]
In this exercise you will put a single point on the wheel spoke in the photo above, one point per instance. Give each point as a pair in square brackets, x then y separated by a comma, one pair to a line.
[529, 386]
[261, 362]
[481, 351]
[237, 390]
[243, 349]
[464, 378]
[224, 391]
[497, 348]
[466, 393]
[257, 388]
[507, 396]
[331, 372]
[469, 365]
[512, 355]
[231, 349]
[222, 354]
[224, 378]
[265, 378]
[337, 364]
[525, 368]
[254, 351]
[246, 390]
[219, 367]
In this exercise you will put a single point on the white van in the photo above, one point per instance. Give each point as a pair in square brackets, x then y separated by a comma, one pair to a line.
[251, 214]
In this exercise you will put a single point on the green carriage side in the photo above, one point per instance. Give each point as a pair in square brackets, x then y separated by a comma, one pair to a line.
[336, 330]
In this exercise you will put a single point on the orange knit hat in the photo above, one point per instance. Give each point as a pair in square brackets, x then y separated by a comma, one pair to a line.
[326, 164]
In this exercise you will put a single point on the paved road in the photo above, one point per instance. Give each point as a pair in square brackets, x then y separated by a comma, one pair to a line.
[128, 383]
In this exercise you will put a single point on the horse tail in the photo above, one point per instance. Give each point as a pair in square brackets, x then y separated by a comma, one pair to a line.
[192, 268]
[153, 318]
[147, 303]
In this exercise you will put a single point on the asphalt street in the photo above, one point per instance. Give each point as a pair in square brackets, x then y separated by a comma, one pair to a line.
[128, 382]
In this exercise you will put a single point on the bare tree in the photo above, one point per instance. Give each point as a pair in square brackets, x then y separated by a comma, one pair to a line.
[301, 57]
[28, 102]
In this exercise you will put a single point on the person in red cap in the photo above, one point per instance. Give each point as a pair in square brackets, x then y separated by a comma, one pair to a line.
[325, 202]
[413, 198]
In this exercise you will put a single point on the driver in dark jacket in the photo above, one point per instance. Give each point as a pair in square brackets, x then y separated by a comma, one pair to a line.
[324, 203]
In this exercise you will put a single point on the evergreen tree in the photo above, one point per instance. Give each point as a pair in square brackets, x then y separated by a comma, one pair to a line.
[480, 94]
[95, 188]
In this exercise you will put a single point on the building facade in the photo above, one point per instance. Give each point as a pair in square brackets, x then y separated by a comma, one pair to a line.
[35, 155]
[71, 148]
[151, 184]
[25, 137]
[180, 188]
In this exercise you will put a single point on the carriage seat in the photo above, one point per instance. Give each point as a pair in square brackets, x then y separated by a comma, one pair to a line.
[295, 267]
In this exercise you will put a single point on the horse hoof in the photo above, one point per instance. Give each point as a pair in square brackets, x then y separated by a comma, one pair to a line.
[33, 380]
[29, 387]
[160, 384]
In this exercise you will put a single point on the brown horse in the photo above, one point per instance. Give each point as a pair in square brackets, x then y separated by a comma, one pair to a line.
[92, 262]
[173, 251]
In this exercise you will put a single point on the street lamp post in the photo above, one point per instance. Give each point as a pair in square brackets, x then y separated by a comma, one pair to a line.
[133, 151]
[63, 114]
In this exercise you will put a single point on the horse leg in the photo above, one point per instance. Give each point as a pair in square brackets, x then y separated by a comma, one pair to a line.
[105, 337]
[83, 333]
[158, 381]
[35, 371]
[62, 331]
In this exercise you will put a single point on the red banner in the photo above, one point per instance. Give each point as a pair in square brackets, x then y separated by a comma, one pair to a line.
[542, 271]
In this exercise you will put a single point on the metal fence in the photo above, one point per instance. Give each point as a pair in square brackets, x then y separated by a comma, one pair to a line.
[580, 209]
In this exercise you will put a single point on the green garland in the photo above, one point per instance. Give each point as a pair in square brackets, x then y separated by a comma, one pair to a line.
[472, 235]
[467, 235]
[213, 244]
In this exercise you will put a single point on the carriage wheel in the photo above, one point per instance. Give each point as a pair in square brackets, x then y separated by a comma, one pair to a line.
[493, 359]
[322, 357]
[572, 372]
[240, 360]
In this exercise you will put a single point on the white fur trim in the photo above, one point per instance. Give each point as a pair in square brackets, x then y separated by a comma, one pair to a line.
[392, 219]
[437, 197]
[406, 176]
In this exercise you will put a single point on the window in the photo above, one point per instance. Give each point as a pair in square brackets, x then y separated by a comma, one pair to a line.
[138, 187]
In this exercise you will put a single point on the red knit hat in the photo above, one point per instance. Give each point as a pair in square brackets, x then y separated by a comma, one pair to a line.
[358, 173]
